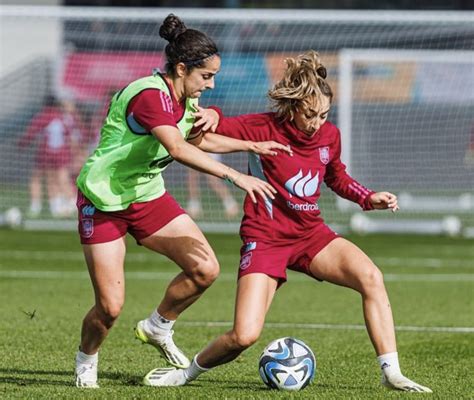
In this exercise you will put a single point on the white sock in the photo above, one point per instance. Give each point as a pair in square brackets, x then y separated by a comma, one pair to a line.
[194, 370]
[35, 207]
[55, 205]
[389, 363]
[83, 358]
[159, 324]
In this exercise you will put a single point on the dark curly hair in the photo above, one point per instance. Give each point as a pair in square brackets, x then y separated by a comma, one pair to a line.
[188, 46]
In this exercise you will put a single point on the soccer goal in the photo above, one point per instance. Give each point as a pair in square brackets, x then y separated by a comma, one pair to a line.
[407, 122]
[403, 84]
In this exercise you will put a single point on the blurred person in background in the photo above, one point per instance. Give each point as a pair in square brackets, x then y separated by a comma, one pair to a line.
[57, 132]
[287, 232]
[194, 206]
[121, 190]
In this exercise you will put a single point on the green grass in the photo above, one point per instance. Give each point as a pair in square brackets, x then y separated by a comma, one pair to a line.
[430, 281]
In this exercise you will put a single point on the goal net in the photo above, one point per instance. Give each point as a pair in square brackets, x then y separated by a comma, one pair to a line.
[403, 84]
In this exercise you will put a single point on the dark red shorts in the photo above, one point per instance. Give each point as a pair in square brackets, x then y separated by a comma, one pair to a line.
[139, 219]
[273, 259]
[53, 160]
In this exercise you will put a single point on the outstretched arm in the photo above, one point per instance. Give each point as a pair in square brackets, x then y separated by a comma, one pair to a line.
[214, 143]
[383, 201]
[189, 155]
[207, 121]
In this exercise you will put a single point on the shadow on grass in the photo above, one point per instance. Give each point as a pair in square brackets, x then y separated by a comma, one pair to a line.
[47, 378]
[260, 386]
[14, 376]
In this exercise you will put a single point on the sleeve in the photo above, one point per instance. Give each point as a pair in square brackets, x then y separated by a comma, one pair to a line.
[340, 182]
[152, 108]
[243, 127]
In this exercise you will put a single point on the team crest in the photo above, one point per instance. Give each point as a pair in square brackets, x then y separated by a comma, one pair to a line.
[245, 261]
[324, 154]
[87, 225]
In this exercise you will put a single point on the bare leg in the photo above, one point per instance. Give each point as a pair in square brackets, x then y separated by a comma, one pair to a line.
[66, 190]
[105, 262]
[35, 192]
[53, 192]
[343, 263]
[254, 295]
[183, 242]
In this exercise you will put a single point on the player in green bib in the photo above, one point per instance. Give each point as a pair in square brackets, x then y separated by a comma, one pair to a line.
[121, 190]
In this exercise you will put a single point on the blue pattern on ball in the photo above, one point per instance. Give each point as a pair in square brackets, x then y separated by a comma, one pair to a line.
[281, 368]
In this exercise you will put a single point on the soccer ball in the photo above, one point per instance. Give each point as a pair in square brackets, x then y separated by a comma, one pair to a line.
[287, 364]
[12, 217]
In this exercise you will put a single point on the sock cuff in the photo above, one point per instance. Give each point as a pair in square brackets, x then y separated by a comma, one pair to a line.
[159, 319]
[86, 358]
[389, 363]
[198, 366]
[387, 356]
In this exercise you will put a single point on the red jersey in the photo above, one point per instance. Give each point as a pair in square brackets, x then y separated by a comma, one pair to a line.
[153, 107]
[57, 131]
[294, 212]
[147, 110]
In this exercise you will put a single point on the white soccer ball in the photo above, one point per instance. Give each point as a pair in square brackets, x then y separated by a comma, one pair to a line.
[12, 217]
[451, 225]
[287, 364]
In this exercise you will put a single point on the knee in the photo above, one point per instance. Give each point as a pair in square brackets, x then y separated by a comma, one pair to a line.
[243, 340]
[371, 280]
[206, 273]
[109, 312]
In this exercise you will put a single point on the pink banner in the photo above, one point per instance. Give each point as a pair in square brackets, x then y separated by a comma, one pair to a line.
[90, 76]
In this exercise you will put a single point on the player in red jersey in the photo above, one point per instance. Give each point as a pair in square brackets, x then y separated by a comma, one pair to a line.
[57, 131]
[288, 232]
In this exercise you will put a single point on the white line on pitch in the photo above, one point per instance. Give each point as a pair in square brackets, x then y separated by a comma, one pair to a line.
[423, 262]
[223, 277]
[447, 329]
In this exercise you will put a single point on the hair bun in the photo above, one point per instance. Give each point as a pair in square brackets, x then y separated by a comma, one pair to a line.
[171, 28]
[321, 71]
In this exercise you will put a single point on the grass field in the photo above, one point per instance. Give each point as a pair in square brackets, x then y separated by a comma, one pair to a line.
[44, 293]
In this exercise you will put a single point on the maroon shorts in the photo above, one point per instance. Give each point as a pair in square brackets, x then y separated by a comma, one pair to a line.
[53, 160]
[273, 259]
[139, 219]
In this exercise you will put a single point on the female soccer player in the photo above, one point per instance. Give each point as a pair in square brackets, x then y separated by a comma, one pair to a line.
[288, 232]
[121, 190]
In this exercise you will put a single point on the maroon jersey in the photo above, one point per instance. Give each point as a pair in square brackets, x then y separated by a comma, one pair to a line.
[294, 212]
[56, 132]
[153, 107]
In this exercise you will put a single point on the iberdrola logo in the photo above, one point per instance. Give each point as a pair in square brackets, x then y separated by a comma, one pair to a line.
[302, 186]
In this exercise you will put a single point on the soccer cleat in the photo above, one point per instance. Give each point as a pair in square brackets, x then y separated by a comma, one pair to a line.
[165, 377]
[400, 382]
[164, 344]
[86, 376]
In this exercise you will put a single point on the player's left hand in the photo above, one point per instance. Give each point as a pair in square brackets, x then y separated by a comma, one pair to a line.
[384, 200]
[207, 119]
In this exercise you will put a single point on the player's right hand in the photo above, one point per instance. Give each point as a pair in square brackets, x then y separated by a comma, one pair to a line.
[269, 148]
[254, 186]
